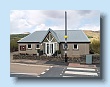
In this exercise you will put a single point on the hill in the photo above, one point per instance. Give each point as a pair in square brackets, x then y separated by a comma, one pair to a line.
[17, 36]
[94, 37]
[92, 34]
[13, 41]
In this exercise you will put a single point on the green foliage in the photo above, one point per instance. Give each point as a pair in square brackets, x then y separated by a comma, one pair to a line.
[38, 50]
[89, 36]
[14, 36]
[59, 52]
[14, 45]
[13, 41]
[95, 46]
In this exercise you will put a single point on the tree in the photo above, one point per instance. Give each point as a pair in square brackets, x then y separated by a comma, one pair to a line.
[14, 45]
[95, 46]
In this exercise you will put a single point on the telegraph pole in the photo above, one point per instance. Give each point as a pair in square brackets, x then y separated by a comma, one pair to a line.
[66, 59]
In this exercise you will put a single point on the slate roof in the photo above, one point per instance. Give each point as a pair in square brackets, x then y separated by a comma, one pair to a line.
[73, 36]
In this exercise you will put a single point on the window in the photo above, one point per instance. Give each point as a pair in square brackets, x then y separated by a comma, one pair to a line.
[37, 46]
[29, 46]
[75, 46]
[23, 47]
[50, 38]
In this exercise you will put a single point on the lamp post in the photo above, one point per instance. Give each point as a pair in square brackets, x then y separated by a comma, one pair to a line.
[66, 59]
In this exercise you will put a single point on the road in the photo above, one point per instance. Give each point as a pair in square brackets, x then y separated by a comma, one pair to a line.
[31, 70]
[70, 72]
[56, 71]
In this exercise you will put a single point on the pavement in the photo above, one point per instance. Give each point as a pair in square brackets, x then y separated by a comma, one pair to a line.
[81, 65]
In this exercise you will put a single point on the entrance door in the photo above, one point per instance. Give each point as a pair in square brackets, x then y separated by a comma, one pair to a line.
[49, 49]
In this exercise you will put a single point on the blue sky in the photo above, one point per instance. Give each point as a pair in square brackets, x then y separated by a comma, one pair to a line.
[32, 20]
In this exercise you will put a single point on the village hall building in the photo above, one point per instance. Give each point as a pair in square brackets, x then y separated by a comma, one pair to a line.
[51, 41]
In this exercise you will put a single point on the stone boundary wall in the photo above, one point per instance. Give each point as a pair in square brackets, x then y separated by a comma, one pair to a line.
[95, 58]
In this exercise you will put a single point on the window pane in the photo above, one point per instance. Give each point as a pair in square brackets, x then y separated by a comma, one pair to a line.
[37, 46]
[45, 40]
[52, 48]
[29, 45]
[44, 47]
[75, 46]
[23, 48]
[47, 48]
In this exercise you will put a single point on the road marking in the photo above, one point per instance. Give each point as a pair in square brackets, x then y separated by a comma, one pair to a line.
[70, 68]
[26, 73]
[51, 66]
[47, 69]
[81, 73]
[30, 65]
[43, 73]
[69, 76]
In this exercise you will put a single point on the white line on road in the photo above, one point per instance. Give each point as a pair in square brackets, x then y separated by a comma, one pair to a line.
[80, 69]
[51, 66]
[47, 69]
[43, 73]
[69, 76]
[81, 73]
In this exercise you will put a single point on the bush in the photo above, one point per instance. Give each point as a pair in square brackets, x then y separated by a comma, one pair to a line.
[13, 41]
[59, 52]
[89, 36]
[95, 46]
[14, 45]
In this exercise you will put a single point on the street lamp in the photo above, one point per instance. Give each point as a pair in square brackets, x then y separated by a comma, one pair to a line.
[66, 59]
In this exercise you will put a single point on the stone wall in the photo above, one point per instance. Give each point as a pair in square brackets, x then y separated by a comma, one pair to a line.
[35, 57]
[19, 56]
[81, 59]
[95, 58]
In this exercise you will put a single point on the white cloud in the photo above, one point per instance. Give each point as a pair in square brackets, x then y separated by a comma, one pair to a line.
[90, 27]
[44, 27]
[31, 20]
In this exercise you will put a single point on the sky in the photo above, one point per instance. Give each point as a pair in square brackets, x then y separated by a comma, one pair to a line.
[36, 20]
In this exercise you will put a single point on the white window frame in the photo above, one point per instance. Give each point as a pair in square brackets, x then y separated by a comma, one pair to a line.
[49, 47]
[31, 46]
[75, 48]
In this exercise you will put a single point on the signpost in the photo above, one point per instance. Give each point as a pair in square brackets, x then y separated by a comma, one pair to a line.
[66, 59]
